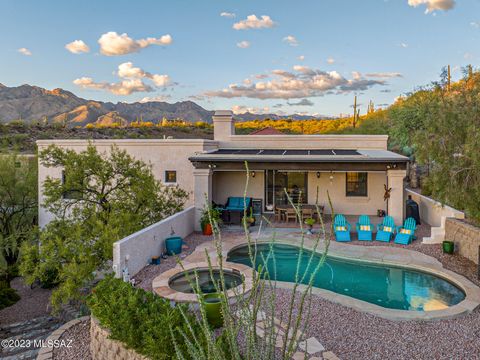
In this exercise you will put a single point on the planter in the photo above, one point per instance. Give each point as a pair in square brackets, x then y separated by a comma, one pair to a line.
[448, 247]
[213, 310]
[156, 260]
[207, 229]
[173, 245]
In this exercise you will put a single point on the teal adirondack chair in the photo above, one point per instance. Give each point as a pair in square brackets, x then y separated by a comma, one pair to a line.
[406, 233]
[364, 228]
[386, 229]
[341, 228]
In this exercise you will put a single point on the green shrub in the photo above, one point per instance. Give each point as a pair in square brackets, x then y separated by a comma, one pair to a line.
[141, 320]
[8, 296]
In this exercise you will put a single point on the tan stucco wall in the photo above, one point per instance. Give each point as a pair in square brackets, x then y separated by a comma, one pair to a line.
[232, 183]
[337, 190]
[168, 154]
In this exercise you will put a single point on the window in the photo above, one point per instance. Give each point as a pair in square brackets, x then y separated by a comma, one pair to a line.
[357, 183]
[170, 176]
[70, 194]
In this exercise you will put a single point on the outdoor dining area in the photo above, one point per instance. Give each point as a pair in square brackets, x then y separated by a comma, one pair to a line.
[287, 213]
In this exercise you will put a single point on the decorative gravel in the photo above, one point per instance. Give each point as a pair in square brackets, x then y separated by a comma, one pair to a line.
[80, 346]
[33, 303]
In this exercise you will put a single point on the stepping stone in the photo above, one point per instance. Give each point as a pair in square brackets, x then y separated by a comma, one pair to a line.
[311, 345]
[330, 356]
[298, 356]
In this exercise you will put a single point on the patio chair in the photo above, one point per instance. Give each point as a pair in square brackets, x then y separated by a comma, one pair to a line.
[235, 208]
[278, 214]
[341, 228]
[364, 228]
[307, 213]
[406, 233]
[290, 213]
[385, 230]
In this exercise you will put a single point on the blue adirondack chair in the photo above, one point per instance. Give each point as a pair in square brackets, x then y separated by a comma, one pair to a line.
[386, 229]
[341, 228]
[406, 233]
[364, 228]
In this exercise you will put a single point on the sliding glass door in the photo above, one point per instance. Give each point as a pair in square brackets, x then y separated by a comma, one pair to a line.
[277, 182]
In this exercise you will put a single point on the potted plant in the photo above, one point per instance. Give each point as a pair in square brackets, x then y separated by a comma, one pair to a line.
[209, 212]
[250, 219]
[448, 247]
[309, 222]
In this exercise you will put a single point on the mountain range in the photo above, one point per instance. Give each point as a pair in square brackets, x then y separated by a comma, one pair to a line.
[32, 103]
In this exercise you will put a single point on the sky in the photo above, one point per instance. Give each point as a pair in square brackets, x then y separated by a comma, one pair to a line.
[265, 56]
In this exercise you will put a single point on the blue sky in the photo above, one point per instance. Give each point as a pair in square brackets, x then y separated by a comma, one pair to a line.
[374, 49]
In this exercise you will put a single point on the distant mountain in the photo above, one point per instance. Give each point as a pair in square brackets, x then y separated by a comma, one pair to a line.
[33, 103]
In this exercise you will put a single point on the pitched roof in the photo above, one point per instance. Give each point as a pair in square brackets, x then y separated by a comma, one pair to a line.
[267, 131]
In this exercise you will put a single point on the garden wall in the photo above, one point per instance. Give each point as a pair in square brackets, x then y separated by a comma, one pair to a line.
[103, 348]
[465, 236]
[136, 250]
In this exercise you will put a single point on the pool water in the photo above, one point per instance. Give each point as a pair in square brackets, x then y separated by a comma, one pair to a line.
[182, 282]
[387, 286]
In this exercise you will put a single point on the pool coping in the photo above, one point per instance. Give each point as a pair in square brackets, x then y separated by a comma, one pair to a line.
[394, 256]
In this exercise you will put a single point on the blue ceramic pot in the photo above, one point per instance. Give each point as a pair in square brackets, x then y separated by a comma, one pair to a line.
[173, 245]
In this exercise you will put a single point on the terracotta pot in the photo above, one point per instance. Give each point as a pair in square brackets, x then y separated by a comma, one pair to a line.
[207, 229]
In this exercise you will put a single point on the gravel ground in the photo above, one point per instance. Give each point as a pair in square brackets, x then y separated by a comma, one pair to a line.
[80, 346]
[32, 304]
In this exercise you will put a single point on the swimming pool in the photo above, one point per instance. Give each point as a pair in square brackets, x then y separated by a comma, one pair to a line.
[384, 285]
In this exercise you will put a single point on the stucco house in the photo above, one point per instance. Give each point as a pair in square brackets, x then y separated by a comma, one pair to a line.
[356, 170]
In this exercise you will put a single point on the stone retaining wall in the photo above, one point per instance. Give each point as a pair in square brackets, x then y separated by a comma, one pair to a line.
[465, 236]
[103, 348]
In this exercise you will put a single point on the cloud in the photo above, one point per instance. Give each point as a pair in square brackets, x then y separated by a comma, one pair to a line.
[384, 75]
[160, 98]
[25, 51]
[243, 44]
[227, 14]
[386, 91]
[331, 60]
[113, 44]
[303, 102]
[468, 56]
[241, 109]
[132, 81]
[291, 40]
[403, 45]
[475, 24]
[302, 82]
[432, 5]
[77, 47]
[253, 22]
[301, 57]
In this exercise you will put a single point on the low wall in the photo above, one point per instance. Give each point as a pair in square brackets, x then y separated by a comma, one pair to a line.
[103, 348]
[136, 250]
[465, 236]
[433, 212]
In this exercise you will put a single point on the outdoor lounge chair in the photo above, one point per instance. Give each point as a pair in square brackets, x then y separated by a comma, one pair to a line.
[386, 229]
[235, 208]
[406, 233]
[364, 228]
[341, 228]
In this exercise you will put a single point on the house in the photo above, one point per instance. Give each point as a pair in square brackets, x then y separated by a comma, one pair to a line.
[355, 170]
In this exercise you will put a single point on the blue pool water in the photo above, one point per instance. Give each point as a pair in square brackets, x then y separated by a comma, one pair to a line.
[387, 286]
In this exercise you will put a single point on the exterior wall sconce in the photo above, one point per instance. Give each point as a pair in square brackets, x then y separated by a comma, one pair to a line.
[318, 174]
[212, 166]
[331, 176]
[253, 174]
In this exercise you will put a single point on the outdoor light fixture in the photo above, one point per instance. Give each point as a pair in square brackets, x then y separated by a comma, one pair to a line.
[318, 174]
[331, 176]
[253, 174]
[212, 166]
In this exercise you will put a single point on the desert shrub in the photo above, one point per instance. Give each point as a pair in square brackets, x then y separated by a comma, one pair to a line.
[8, 296]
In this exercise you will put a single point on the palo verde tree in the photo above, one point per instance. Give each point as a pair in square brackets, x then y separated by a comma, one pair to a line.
[99, 199]
[18, 208]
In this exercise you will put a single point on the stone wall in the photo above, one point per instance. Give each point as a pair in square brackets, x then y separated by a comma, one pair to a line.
[465, 236]
[103, 348]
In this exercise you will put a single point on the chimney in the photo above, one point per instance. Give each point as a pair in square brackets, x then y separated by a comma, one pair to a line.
[223, 125]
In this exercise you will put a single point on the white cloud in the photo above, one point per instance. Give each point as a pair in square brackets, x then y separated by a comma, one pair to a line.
[132, 81]
[160, 98]
[241, 109]
[432, 5]
[384, 74]
[468, 56]
[303, 82]
[331, 60]
[112, 44]
[303, 102]
[77, 47]
[291, 40]
[243, 44]
[227, 14]
[25, 51]
[403, 45]
[301, 57]
[253, 22]
[475, 24]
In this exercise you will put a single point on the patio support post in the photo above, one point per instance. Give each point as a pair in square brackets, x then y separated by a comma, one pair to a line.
[202, 192]
[396, 201]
